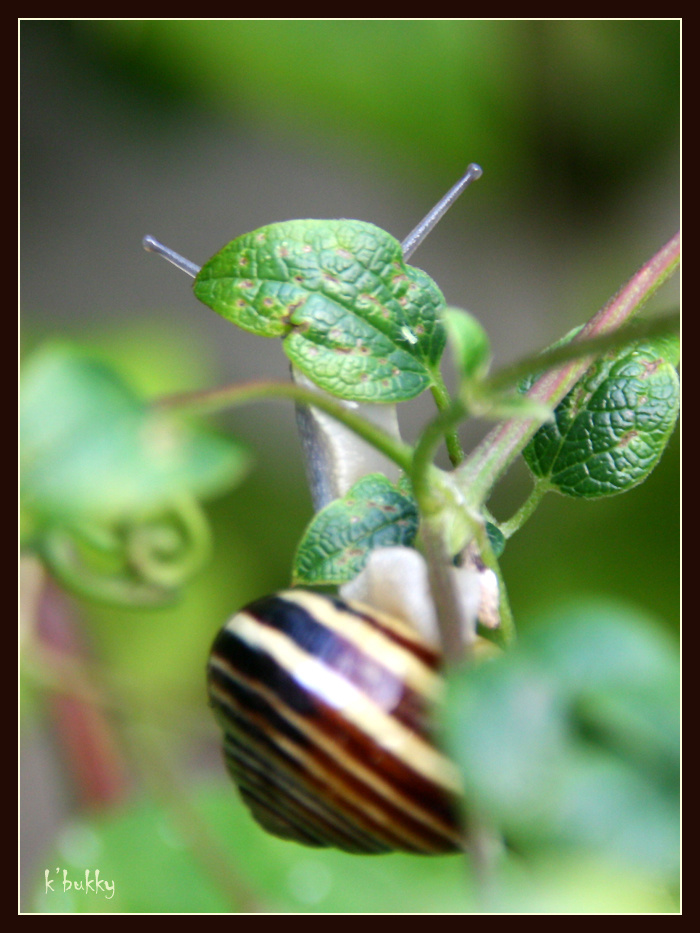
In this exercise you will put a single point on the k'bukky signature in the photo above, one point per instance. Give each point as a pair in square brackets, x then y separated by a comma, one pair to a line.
[90, 884]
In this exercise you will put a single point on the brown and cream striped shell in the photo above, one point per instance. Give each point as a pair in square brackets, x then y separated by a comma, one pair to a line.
[326, 708]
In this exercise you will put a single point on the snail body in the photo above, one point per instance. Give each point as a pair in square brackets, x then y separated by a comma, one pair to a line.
[326, 709]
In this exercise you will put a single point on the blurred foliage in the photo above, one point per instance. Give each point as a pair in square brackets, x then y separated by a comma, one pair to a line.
[93, 449]
[428, 91]
[571, 741]
[162, 874]
[110, 485]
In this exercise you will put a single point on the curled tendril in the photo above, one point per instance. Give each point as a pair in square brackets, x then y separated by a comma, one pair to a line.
[141, 560]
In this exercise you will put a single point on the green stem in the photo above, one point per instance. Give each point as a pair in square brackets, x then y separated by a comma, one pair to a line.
[578, 349]
[516, 522]
[451, 623]
[432, 488]
[422, 471]
[443, 400]
[230, 396]
[478, 474]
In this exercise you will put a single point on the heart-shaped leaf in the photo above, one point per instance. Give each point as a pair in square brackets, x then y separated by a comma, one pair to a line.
[340, 537]
[356, 319]
[609, 432]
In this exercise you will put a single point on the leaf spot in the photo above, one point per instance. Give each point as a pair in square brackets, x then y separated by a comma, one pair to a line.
[650, 367]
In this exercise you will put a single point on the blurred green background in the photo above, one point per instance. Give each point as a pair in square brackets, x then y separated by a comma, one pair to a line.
[198, 131]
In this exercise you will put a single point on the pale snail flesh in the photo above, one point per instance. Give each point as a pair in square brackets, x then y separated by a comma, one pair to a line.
[327, 709]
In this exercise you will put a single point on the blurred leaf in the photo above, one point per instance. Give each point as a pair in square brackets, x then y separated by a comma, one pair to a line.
[109, 485]
[336, 544]
[610, 431]
[470, 344]
[90, 448]
[353, 316]
[569, 743]
[572, 884]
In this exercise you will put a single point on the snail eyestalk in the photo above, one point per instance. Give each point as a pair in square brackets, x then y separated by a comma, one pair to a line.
[419, 233]
[151, 245]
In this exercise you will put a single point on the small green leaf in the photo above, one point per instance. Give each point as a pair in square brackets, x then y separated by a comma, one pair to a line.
[357, 320]
[470, 344]
[496, 539]
[340, 537]
[610, 431]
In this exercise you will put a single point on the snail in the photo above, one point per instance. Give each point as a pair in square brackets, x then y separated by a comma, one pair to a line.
[326, 703]
[326, 707]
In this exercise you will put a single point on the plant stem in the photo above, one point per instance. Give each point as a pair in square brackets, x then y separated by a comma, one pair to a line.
[443, 400]
[422, 470]
[516, 521]
[578, 349]
[230, 396]
[477, 475]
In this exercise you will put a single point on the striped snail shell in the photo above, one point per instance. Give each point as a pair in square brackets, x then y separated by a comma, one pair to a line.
[326, 708]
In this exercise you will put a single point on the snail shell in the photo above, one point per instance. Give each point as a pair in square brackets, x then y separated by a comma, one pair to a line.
[326, 708]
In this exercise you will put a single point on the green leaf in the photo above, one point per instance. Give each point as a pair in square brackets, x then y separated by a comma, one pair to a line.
[496, 539]
[335, 547]
[579, 751]
[610, 431]
[353, 316]
[109, 485]
[92, 449]
[470, 344]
